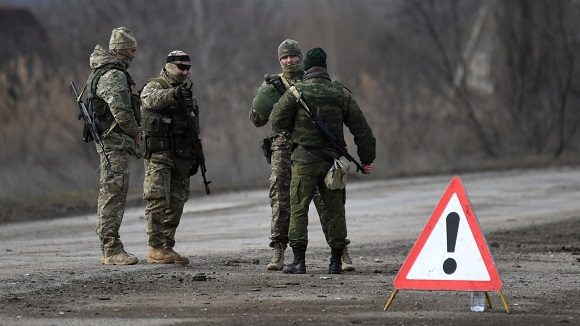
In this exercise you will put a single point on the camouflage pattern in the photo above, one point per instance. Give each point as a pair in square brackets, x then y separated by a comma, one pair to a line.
[263, 104]
[114, 90]
[114, 185]
[119, 144]
[337, 107]
[280, 189]
[122, 38]
[165, 189]
[178, 53]
[281, 174]
[155, 96]
[306, 178]
[166, 192]
[289, 47]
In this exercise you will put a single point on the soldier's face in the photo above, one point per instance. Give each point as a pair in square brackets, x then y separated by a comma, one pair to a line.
[129, 53]
[182, 70]
[289, 59]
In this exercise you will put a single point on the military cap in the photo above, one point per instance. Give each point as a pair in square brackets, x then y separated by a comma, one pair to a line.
[314, 58]
[178, 57]
[121, 38]
[289, 47]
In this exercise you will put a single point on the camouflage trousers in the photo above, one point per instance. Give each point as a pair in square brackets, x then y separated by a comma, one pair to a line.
[113, 187]
[306, 178]
[166, 191]
[280, 193]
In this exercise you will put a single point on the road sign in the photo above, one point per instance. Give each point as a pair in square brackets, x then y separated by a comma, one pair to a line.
[451, 252]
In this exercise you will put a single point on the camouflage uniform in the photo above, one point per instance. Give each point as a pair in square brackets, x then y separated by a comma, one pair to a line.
[110, 99]
[280, 176]
[169, 159]
[312, 156]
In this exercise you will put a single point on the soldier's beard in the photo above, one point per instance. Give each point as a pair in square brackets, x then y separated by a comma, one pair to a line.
[291, 70]
[174, 73]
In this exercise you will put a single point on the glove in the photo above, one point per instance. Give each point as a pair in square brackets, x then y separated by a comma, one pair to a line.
[181, 92]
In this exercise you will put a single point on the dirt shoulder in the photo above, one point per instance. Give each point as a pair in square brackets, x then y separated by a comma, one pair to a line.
[539, 266]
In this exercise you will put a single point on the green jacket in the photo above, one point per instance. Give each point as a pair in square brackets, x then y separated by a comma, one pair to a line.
[264, 101]
[336, 107]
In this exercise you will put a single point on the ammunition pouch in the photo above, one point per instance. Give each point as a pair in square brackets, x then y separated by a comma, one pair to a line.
[266, 146]
[155, 125]
[155, 144]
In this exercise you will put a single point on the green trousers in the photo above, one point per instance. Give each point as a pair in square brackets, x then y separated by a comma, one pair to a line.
[306, 177]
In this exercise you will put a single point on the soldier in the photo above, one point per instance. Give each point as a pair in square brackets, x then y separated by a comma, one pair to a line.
[313, 155]
[116, 114]
[290, 58]
[168, 129]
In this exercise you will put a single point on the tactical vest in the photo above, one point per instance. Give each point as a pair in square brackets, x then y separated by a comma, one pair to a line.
[99, 109]
[166, 129]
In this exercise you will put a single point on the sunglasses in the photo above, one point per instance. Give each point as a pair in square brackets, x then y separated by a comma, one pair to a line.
[183, 67]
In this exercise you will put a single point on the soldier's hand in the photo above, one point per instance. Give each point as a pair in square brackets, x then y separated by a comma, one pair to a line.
[368, 168]
[181, 92]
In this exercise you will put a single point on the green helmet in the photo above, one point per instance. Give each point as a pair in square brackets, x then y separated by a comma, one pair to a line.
[289, 47]
[121, 38]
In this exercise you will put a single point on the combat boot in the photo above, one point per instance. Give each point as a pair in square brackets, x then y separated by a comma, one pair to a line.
[298, 266]
[177, 258]
[122, 258]
[277, 262]
[335, 261]
[159, 255]
[347, 265]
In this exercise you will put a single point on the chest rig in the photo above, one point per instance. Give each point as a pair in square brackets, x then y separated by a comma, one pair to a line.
[99, 109]
[167, 129]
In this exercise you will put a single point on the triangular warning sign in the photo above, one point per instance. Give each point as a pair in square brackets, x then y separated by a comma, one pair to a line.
[451, 252]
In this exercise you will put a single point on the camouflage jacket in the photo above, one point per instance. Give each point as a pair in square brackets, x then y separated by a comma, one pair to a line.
[113, 88]
[157, 97]
[336, 107]
[264, 101]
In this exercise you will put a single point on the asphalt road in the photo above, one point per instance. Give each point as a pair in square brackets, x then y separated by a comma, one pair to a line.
[66, 250]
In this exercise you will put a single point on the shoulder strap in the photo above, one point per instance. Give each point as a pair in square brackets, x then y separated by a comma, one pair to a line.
[278, 82]
[100, 71]
[300, 100]
[284, 81]
[161, 81]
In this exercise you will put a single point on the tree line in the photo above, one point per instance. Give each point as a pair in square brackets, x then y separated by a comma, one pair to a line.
[445, 84]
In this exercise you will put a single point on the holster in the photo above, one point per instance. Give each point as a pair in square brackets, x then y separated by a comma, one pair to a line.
[266, 146]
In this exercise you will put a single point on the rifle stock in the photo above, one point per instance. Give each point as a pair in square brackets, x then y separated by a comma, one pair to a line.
[89, 123]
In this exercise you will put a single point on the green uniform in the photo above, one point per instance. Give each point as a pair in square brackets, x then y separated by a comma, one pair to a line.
[280, 176]
[312, 154]
[109, 87]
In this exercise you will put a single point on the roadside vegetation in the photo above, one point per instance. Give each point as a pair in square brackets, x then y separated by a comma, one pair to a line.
[450, 85]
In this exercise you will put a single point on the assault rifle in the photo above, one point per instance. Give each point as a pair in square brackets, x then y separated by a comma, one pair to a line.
[90, 131]
[321, 127]
[186, 104]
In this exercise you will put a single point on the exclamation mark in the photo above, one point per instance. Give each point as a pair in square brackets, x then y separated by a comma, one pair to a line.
[450, 265]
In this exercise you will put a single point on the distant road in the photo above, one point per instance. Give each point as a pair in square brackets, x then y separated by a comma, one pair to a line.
[377, 211]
